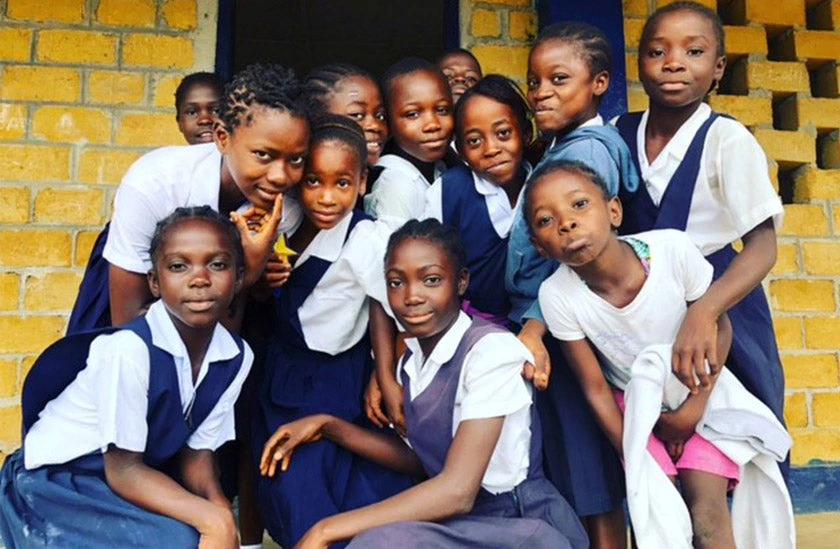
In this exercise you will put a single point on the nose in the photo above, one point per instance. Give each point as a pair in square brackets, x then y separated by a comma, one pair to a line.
[200, 278]
[370, 124]
[673, 61]
[542, 91]
[326, 196]
[432, 123]
[413, 294]
[278, 174]
[205, 117]
[567, 224]
[491, 148]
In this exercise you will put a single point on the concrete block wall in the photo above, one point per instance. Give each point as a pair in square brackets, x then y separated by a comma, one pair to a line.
[499, 33]
[86, 86]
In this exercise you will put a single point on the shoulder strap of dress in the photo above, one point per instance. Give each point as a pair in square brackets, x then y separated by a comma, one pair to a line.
[628, 127]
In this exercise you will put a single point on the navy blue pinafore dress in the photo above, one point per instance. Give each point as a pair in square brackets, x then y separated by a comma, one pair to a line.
[465, 209]
[70, 504]
[323, 479]
[532, 515]
[92, 308]
[754, 356]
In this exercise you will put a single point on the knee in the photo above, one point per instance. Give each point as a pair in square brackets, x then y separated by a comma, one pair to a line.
[710, 522]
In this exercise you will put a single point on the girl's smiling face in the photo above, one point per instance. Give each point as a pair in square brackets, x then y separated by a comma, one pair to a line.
[491, 140]
[424, 289]
[197, 114]
[420, 113]
[263, 156]
[358, 97]
[333, 180]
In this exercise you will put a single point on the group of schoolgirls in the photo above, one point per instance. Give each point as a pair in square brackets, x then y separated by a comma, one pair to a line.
[652, 351]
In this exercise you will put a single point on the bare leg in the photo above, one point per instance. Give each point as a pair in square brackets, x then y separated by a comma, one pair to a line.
[250, 523]
[705, 495]
[607, 530]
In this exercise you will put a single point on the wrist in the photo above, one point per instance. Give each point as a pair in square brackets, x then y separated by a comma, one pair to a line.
[533, 328]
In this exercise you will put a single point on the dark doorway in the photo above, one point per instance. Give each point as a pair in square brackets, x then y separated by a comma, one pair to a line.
[303, 34]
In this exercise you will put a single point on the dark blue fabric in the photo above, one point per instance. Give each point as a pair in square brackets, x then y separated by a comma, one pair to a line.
[323, 479]
[465, 209]
[93, 304]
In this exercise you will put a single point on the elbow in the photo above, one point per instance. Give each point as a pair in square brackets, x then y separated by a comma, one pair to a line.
[461, 499]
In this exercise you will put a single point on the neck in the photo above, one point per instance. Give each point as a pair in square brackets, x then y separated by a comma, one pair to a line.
[196, 340]
[666, 121]
[426, 168]
[230, 197]
[609, 270]
[513, 187]
[303, 236]
[428, 344]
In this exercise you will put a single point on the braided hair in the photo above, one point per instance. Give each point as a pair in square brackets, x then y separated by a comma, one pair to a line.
[271, 86]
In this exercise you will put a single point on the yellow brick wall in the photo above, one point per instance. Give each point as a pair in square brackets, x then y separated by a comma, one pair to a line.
[498, 32]
[86, 86]
[782, 83]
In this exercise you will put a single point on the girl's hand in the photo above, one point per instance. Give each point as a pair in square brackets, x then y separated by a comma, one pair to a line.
[283, 442]
[674, 427]
[675, 450]
[539, 372]
[220, 530]
[277, 271]
[392, 395]
[696, 346]
[258, 246]
[373, 403]
[256, 218]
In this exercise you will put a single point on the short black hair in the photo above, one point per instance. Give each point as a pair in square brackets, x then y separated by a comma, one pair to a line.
[503, 90]
[322, 82]
[204, 213]
[209, 79]
[551, 167]
[459, 51]
[271, 86]
[593, 44]
[403, 67]
[334, 127]
[699, 9]
[435, 232]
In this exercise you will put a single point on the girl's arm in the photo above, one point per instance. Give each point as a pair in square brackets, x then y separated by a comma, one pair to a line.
[696, 340]
[200, 475]
[150, 489]
[531, 335]
[583, 362]
[129, 294]
[383, 334]
[449, 494]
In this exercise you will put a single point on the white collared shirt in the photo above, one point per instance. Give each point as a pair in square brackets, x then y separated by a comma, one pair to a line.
[399, 193]
[733, 193]
[490, 385]
[156, 184]
[108, 401]
[335, 315]
[496, 199]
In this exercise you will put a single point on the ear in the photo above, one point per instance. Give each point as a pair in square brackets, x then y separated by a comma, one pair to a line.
[221, 136]
[154, 283]
[601, 83]
[720, 66]
[539, 247]
[463, 282]
[363, 181]
[616, 212]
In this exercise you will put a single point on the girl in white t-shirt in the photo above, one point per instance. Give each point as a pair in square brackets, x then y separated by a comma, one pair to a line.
[610, 299]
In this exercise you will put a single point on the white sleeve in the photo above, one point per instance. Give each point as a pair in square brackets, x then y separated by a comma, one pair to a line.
[745, 185]
[119, 367]
[393, 199]
[492, 378]
[558, 316]
[697, 272]
[219, 425]
[434, 201]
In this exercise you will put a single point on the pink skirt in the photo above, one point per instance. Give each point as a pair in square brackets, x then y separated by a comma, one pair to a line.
[698, 455]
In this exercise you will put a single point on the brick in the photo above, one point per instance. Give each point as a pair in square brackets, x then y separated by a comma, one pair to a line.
[71, 125]
[509, 60]
[711, 4]
[8, 378]
[12, 121]
[811, 44]
[15, 44]
[9, 291]
[10, 421]
[638, 8]
[822, 333]
[116, 88]
[819, 445]
[509, 2]
[826, 407]
[822, 113]
[788, 332]
[745, 40]
[180, 14]
[804, 220]
[84, 245]
[77, 47]
[787, 260]
[14, 205]
[749, 111]
[98, 166]
[126, 13]
[777, 76]
[76, 206]
[796, 410]
[28, 83]
[34, 248]
[631, 61]
[835, 214]
[64, 11]
[34, 163]
[821, 258]
[148, 130]
[485, 23]
[783, 13]
[31, 334]
[154, 50]
[26, 365]
[773, 172]
[633, 32]
[814, 184]
[165, 90]
[810, 371]
[789, 149]
[522, 25]
[51, 291]
[637, 100]
[802, 295]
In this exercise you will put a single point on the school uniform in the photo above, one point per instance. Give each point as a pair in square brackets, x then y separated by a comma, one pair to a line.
[711, 181]
[320, 362]
[483, 216]
[135, 391]
[399, 193]
[474, 373]
[156, 184]
[579, 459]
